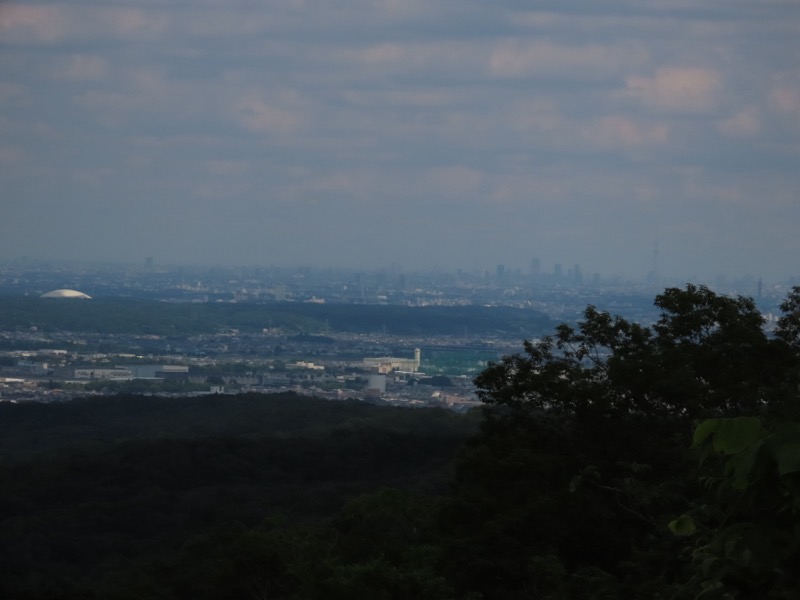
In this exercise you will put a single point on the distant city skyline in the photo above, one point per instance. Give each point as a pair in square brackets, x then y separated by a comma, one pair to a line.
[573, 275]
[426, 134]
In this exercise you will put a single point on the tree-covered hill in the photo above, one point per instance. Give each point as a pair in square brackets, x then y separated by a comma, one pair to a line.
[122, 315]
[97, 495]
[40, 429]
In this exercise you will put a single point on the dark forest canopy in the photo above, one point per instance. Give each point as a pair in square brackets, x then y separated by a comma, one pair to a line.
[129, 316]
[27, 429]
[126, 496]
[574, 486]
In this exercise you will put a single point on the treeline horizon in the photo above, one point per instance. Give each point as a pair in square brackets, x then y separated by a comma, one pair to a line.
[153, 317]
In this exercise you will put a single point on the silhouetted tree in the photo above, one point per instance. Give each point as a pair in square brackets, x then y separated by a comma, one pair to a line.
[605, 409]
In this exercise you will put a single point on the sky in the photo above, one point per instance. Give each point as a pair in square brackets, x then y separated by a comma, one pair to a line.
[413, 133]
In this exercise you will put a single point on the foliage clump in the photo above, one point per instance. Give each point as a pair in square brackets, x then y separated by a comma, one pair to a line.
[582, 463]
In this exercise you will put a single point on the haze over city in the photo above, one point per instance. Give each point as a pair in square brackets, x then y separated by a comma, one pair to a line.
[437, 133]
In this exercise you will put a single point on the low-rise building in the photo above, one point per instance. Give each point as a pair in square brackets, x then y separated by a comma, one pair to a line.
[387, 364]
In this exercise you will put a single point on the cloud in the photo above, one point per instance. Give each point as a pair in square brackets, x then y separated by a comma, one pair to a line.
[678, 89]
[94, 177]
[10, 91]
[517, 58]
[617, 130]
[51, 23]
[389, 52]
[536, 114]
[254, 114]
[447, 59]
[226, 167]
[746, 122]
[457, 182]
[113, 102]
[147, 98]
[130, 22]
[10, 154]
[221, 190]
[82, 67]
[785, 98]
[46, 23]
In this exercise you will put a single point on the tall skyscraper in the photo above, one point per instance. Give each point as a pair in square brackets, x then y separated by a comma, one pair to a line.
[536, 267]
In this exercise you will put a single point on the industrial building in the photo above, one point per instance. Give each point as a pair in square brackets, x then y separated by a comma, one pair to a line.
[387, 364]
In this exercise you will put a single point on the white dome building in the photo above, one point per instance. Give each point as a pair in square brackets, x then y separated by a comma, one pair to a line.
[66, 294]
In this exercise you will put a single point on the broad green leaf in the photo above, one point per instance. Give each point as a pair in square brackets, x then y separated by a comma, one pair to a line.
[787, 457]
[734, 435]
[742, 465]
[682, 526]
[704, 430]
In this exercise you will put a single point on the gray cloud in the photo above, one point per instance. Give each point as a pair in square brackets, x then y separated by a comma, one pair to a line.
[412, 132]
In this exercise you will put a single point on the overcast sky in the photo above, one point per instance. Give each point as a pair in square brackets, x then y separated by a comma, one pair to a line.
[417, 133]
